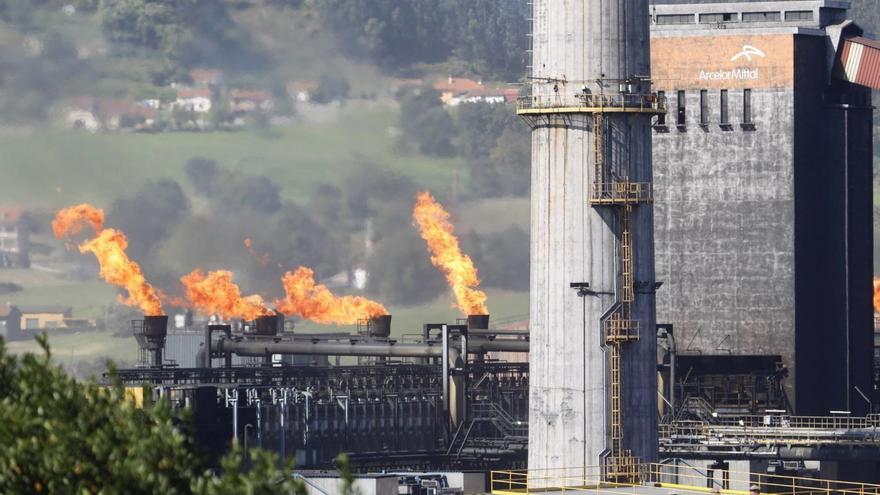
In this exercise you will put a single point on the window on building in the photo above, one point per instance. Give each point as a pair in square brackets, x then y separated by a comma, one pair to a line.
[713, 18]
[725, 115]
[680, 116]
[32, 323]
[799, 15]
[761, 16]
[661, 118]
[675, 19]
[747, 106]
[704, 107]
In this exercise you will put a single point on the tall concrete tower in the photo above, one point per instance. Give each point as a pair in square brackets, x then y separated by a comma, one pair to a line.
[593, 398]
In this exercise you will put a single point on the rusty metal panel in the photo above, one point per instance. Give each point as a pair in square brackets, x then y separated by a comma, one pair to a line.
[860, 62]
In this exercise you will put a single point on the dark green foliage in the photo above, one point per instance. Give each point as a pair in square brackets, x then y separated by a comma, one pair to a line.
[505, 172]
[58, 435]
[479, 125]
[433, 132]
[330, 88]
[182, 33]
[392, 32]
[489, 35]
[495, 143]
[425, 125]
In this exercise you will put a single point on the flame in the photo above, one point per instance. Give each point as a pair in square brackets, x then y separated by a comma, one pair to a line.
[876, 295]
[315, 302]
[116, 268]
[437, 231]
[70, 221]
[216, 293]
[262, 259]
[108, 245]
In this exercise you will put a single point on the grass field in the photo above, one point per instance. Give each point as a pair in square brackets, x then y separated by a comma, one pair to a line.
[48, 169]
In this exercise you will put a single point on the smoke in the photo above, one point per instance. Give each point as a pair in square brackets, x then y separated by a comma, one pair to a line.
[150, 215]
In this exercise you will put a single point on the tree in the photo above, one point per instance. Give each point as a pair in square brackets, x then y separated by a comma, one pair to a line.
[425, 124]
[490, 35]
[479, 125]
[505, 172]
[181, 34]
[330, 88]
[58, 435]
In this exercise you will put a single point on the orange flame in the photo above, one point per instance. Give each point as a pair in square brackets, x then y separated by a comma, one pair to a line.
[876, 295]
[216, 293]
[108, 245]
[70, 221]
[116, 268]
[437, 231]
[262, 259]
[315, 302]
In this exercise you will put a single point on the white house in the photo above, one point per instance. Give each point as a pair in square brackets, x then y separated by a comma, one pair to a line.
[197, 100]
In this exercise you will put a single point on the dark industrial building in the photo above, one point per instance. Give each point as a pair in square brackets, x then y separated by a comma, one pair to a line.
[763, 205]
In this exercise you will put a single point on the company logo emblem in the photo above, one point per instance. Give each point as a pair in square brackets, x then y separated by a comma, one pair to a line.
[747, 52]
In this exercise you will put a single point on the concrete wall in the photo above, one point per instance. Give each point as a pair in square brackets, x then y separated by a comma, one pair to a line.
[575, 43]
[763, 232]
[724, 217]
[372, 485]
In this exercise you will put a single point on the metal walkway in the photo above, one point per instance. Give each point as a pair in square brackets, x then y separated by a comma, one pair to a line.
[773, 436]
[658, 478]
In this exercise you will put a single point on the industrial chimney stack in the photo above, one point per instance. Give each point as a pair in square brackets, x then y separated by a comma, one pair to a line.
[593, 365]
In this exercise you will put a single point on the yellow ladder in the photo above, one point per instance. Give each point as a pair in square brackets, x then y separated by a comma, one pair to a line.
[598, 148]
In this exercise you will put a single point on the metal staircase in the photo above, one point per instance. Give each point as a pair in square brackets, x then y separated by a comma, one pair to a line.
[620, 327]
[505, 429]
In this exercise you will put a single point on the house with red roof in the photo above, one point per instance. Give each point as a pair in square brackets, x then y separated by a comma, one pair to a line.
[249, 100]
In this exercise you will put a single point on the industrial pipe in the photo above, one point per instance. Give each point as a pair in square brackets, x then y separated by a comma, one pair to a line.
[258, 348]
[480, 346]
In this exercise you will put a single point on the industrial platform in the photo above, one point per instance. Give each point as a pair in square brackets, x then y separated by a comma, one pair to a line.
[669, 479]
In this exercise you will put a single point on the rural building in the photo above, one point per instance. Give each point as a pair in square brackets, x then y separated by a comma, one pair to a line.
[301, 90]
[196, 100]
[93, 114]
[249, 100]
[14, 238]
[43, 317]
[763, 200]
[205, 77]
